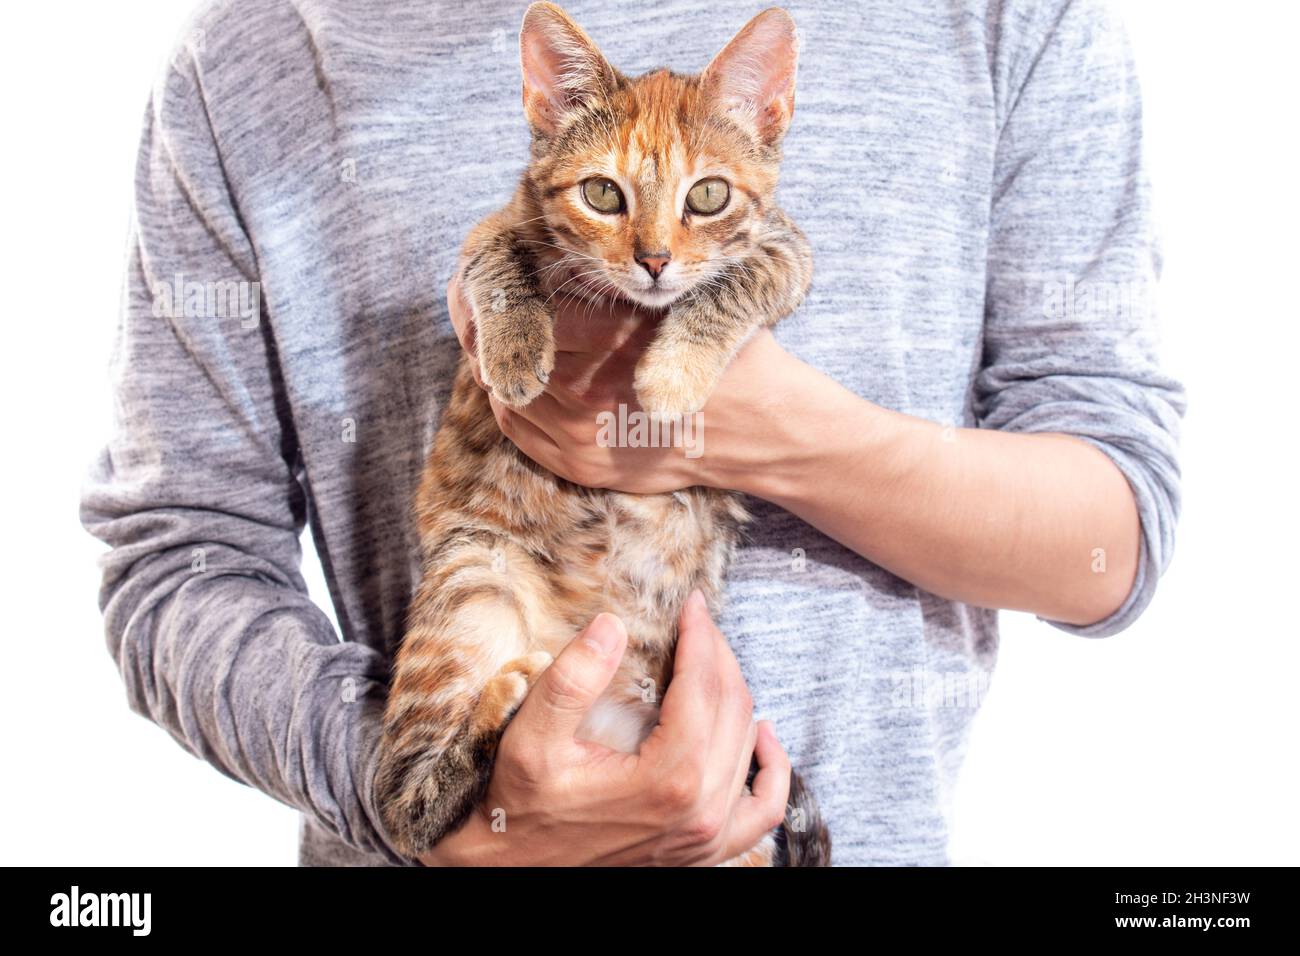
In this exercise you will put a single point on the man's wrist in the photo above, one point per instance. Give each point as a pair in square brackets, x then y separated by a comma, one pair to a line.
[806, 427]
[760, 431]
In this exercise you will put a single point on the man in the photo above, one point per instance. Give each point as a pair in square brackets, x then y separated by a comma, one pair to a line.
[966, 414]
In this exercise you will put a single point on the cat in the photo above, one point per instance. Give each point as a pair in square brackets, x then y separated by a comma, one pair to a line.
[660, 189]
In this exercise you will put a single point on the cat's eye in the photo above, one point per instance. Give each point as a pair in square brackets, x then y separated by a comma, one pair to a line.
[603, 195]
[708, 196]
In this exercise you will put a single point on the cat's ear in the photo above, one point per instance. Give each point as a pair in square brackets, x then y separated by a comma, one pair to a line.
[753, 77]
[562, 67]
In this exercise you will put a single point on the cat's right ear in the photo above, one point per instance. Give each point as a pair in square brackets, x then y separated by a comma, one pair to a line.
[562, 67]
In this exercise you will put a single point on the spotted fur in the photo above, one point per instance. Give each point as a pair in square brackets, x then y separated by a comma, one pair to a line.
[516, 559]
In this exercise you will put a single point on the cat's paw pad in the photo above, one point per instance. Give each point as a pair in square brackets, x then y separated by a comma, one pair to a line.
[517, 364]
[669, 389]
[517, 377]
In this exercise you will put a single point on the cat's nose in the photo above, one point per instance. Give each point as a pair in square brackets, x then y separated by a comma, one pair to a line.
[653, 262]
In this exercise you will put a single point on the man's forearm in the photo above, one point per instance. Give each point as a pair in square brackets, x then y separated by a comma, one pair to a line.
[1036, 522]
[241, 667]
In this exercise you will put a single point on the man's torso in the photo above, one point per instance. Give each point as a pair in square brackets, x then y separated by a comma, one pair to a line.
[384, 130]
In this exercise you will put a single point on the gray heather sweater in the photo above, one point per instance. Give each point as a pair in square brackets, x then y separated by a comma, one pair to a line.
[969, 174]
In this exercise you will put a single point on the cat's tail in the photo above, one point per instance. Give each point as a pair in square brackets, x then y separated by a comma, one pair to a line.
[803, 838]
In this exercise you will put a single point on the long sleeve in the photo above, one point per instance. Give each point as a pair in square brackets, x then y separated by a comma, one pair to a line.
[1070, 341]
[198, 498]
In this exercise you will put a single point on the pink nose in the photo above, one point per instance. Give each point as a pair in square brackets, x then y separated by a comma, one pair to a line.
[653, 262]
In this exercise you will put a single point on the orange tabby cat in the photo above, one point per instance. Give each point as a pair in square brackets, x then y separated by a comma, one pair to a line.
[657, 190]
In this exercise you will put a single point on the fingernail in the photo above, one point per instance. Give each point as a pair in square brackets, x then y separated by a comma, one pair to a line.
[605, 634]
[695, 602]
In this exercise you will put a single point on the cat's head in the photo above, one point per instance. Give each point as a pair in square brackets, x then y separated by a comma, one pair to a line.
[655, 184]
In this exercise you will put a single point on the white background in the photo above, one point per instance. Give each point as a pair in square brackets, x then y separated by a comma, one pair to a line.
[1173, 743]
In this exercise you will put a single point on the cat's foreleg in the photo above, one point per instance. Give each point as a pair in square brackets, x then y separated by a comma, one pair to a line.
[693, 346]
[515, 344]
[703, 331]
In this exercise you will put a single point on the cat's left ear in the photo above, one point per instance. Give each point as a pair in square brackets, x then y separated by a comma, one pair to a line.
[753, 77]
[562, 67]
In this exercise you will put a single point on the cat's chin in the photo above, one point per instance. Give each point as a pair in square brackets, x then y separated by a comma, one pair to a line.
[606, 290]
[648, 298]
[652, 298]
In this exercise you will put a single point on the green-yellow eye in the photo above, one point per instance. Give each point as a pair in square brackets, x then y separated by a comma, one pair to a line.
[708, 196]
[602, 195]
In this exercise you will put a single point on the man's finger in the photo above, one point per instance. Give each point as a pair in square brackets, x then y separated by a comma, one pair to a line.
[527, 437]
[763, 808]
[595, 379]
[744, 757]
[734, 730]
[461, 313]
[690, 705]
[583, 326]
[557, 703]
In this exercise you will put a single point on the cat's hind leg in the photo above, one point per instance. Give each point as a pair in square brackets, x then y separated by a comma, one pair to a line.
[505, 692]
[465, 665]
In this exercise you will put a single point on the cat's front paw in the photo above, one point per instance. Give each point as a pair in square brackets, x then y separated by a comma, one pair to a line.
[671, 383]
[516, 361]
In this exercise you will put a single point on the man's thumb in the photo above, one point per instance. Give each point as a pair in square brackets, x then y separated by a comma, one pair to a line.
[567, 689]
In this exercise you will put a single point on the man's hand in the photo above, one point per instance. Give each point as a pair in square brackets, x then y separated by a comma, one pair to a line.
[597, 351]
[557, 800]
